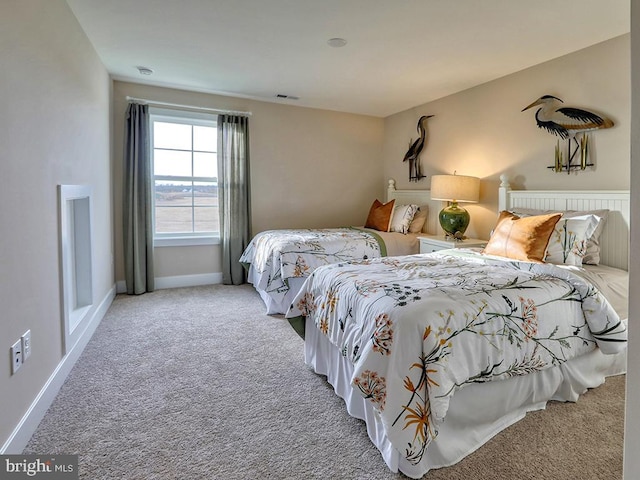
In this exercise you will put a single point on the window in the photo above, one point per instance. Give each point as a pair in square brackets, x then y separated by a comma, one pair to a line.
[185, 177]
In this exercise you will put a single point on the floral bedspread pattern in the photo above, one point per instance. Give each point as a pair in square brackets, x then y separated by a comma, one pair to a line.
[417, 328]
[278, 255]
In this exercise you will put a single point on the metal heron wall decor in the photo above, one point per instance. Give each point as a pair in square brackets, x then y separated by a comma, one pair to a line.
[415, 171]
[567, 123]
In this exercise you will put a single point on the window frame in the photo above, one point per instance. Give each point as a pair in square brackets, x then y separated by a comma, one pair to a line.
[188, 118]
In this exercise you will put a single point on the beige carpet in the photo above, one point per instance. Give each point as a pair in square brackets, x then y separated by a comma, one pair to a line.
[198, 383]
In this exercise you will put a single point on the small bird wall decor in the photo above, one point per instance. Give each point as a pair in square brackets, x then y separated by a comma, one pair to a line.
[415, 170]
[568, 123]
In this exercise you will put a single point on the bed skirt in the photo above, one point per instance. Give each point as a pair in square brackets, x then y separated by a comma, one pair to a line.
[274, 306]
[476, 413]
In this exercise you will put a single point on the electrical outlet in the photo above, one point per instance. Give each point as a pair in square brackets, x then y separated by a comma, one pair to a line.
[16, 356]
[26, 345]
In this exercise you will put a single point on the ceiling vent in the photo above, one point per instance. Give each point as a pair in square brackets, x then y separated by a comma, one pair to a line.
[288, 97]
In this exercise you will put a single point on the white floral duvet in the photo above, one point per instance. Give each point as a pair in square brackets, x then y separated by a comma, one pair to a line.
[417, 328]
[277, 256]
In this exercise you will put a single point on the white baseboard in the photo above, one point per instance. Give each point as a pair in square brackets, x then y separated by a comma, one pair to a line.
[188, 280]
[27, 426]
[178, 281]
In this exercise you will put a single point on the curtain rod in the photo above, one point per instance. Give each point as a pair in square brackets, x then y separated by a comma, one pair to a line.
[192, 107]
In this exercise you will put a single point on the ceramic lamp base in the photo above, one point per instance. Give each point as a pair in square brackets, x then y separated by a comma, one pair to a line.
[454, 220]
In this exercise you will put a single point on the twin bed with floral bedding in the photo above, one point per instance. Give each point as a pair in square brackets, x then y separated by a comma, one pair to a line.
[439, 352]
[278, 261]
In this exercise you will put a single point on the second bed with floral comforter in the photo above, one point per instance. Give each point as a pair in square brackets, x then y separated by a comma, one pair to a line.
[275, 259]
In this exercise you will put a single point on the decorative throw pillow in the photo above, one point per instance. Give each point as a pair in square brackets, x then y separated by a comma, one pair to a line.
[380, 215]
[523, 238]
[592, 256]
[402, 217]
[568, 242]
[419, 219]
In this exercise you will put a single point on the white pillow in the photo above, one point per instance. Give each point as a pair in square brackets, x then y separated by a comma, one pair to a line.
[402, 217]
[568, 242]
[592, 255]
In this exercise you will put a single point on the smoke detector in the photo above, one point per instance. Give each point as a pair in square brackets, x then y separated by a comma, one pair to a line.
[337, 42]
[144, 70]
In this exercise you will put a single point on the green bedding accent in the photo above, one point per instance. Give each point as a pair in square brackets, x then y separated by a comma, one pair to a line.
[298, 325]
[383, 246]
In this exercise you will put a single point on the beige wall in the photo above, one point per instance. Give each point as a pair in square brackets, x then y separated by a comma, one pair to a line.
[309, 168]
[54, 129]
[482, 131]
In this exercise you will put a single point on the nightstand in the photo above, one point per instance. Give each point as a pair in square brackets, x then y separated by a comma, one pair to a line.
[433, 243]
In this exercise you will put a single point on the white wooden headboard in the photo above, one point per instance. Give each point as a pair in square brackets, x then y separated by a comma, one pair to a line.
[422, 198]
[614, 241]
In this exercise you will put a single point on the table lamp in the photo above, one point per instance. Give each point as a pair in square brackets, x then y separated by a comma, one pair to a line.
[454, 219]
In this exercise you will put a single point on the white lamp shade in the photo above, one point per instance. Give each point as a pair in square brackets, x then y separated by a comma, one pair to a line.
[458, 188]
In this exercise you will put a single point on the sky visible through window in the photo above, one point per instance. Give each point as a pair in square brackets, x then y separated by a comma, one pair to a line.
[185, 178]
[174, 144]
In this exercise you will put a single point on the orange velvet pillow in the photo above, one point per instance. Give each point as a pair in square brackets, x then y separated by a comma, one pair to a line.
[523, 238]
[380, 216]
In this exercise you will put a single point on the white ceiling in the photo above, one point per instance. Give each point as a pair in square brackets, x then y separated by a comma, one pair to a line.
[399, 53]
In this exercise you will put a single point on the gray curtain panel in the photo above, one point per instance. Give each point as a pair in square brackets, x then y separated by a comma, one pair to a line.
[137, 218]
[233, 194]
